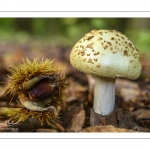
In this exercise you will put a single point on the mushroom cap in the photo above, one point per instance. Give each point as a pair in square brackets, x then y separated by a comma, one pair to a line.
[106, 53]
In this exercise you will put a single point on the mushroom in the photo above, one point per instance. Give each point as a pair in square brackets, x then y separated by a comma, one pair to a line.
[106, 54]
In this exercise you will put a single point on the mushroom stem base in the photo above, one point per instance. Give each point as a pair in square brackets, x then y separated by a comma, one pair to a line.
[104, 95]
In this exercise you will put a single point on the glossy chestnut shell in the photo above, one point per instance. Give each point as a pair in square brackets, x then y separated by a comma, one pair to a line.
[41, 91]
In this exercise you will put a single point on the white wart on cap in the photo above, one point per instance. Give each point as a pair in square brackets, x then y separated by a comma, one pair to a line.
[106, 53]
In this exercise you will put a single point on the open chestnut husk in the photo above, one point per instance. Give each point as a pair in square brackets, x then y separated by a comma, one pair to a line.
[39, 86]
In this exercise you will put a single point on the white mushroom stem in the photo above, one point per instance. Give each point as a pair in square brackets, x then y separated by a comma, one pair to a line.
[104, 95]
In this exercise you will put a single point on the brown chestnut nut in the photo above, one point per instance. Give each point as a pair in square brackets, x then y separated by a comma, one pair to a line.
[41, 91]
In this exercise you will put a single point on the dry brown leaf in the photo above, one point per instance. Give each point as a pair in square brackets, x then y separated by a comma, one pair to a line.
[124, 83]
[106, 128]
[129, 94]
[46, 130]
[78, 121]
[142, 113]
[119, 118]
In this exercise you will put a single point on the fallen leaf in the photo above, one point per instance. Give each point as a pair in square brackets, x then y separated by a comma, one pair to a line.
[129, 94]
[106, 128]
[78, 121]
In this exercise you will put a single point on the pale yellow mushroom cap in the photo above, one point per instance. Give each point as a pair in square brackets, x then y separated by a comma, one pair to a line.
[106, 53]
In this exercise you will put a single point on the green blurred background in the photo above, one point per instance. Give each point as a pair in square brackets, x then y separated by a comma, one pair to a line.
[66, 31]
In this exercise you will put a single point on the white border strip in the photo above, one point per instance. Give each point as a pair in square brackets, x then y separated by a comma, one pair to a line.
[135, 135]
[93, 14]
[73, 5]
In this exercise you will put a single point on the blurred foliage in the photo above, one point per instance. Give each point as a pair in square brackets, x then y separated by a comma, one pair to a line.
[141, 39]
[66, 31]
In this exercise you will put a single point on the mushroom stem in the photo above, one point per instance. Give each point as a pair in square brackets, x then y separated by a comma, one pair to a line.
[104, 95]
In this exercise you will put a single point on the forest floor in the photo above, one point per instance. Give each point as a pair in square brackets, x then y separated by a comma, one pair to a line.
[132, 109]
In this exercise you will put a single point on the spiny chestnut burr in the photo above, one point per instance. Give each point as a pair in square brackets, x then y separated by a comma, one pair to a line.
[39, 86]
